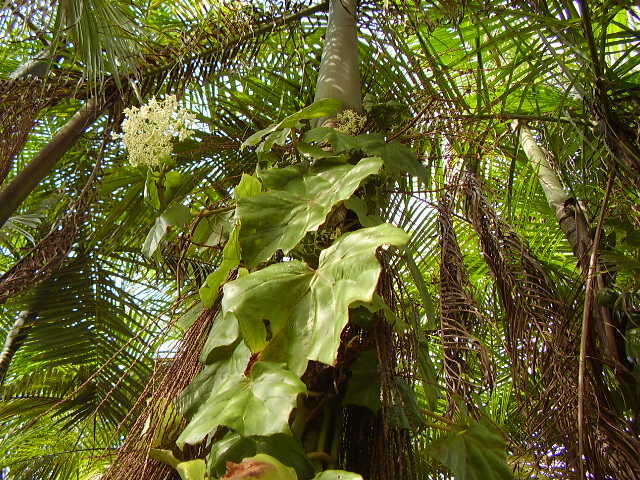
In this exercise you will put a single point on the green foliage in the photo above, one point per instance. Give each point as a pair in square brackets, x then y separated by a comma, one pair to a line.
[192, 470]
[189, 470]
[364, 385]
[174, 217]
[337, 475]
[234, 448]
[248, 187]
[315, 303]
[297, 200]
[255, 405]
[472, 451]
[398, 158]
[278, 132]
[270, 468]
[445, 80]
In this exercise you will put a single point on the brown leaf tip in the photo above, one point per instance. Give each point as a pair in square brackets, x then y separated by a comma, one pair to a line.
[247, 469]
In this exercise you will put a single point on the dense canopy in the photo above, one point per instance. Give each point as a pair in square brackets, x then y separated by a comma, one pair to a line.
[327, 240]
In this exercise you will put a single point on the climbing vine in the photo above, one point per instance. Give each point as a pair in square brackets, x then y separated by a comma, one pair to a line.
[294, 263]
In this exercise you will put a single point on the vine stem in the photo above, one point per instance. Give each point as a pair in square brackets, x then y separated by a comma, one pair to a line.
[586, 322]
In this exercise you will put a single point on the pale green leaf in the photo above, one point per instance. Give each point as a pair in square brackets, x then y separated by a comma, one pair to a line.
[176, 216]
[216, 376]
[249, 186]
[222, 338]
[164, 456]
[250, 299]
[208, 295]
[280, 217]
[337, 475]
[230, 260]
[192, 470]
[259, 404]
[313, 305]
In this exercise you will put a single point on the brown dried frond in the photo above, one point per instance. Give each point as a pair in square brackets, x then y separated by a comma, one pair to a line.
[157, 418]
[542, 342]
[21, 100]
[49, 254]
[459, 317]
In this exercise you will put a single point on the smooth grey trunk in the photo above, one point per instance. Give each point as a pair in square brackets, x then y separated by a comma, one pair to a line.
[12, 196]
[568, 212]
[574, 225]
[339, 75]
[15, 338]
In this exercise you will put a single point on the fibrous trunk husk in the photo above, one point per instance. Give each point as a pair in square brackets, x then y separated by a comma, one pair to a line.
[543, 333]
[155, 409]
[376, 445]
[459, 318]
[48, 256]
[21, 100]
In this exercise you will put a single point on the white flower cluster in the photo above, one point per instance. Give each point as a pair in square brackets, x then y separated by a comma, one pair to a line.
[147, 131]
[349, 122]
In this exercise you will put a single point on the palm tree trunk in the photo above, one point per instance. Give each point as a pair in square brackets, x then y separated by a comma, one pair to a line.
[338, 78]
[339, 75]
[12, 196]
[570, 216]
[574, 224]
[15, 338]
[359, 432]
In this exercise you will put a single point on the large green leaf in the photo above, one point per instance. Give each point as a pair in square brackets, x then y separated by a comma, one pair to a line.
[231, 448]
[259, 404]
[164, 456]
[298, 202]
[189, 470]
[397, 157]
[476, 452]
[250, 300]
[249, 186]
[192, 470]
[337, 475]
[313, 305]
[209, 291]
[215, 377]
[221, 340]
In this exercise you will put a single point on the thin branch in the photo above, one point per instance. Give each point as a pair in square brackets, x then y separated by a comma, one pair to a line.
[586, 322]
